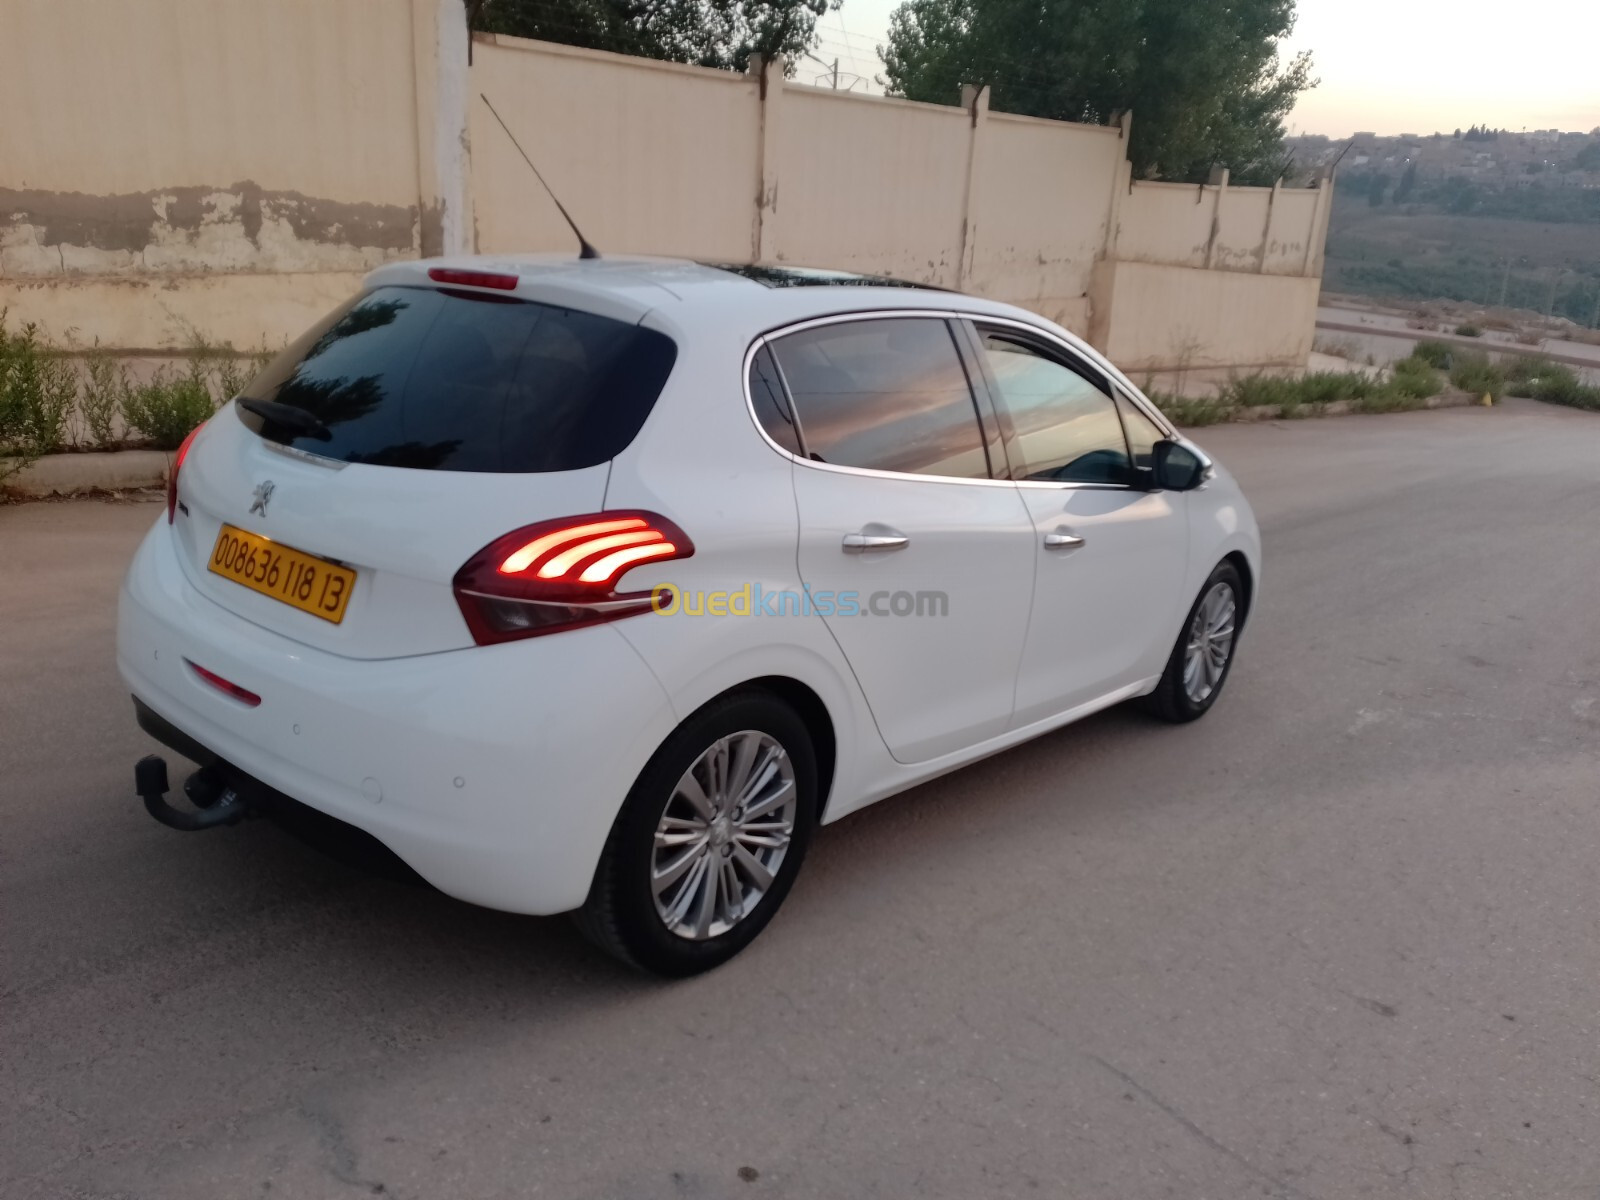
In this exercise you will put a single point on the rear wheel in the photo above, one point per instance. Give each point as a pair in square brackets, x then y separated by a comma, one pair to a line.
[1199, 663]
[709, 840]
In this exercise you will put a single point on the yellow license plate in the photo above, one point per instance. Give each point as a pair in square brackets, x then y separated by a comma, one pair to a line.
[311, 584]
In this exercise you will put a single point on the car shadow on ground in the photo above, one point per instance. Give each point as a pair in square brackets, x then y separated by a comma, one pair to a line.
[384, 914]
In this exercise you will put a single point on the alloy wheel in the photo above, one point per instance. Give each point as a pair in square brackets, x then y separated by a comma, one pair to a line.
[723, 835]
[1210, 642]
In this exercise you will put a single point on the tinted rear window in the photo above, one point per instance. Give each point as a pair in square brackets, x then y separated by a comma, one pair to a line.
[456, 381]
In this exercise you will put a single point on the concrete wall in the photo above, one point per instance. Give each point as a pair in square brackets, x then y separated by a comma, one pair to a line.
[1036, 245]
[231, 167]
[869, 184]
[229, 162]
[1152, 317]
[649, 157]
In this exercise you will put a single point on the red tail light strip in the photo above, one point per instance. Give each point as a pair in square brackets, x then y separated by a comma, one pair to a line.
[613, 565]
[525, 556]
[560, 565]
[560, 574]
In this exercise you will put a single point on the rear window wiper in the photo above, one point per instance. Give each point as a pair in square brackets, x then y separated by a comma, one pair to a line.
[287, 416]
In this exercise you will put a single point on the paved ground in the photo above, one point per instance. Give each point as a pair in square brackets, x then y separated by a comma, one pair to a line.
[1336, 940]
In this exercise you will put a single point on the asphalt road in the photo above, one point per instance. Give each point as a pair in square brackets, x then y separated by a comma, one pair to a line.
[1336, 940]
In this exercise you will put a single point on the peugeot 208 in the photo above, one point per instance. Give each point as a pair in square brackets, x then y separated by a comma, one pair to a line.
[596, 586]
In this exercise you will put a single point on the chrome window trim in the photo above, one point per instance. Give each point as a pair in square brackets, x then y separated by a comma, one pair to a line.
[767, 338]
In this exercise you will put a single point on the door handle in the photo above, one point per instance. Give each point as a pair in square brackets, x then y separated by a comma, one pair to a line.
[1062, 540]
[862, 543]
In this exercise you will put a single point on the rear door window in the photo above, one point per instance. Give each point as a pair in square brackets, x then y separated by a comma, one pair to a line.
[456, 381]
[887, 395]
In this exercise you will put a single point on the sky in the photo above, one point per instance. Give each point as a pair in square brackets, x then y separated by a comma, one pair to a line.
[1390, 66]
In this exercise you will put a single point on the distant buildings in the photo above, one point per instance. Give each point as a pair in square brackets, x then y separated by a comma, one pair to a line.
[1493, 158]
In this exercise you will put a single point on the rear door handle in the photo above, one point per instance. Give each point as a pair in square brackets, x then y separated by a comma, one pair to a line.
[1062, 540]
[863, 543]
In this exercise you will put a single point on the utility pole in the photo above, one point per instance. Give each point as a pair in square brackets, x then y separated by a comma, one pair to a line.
[1504, 281]
[1594, 322]
[1555, 282]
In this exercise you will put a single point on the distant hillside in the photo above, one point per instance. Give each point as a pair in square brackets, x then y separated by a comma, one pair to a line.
[1489, 218]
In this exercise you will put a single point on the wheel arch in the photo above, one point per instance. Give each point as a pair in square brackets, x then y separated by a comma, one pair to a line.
[1247, 577]
[813, 713]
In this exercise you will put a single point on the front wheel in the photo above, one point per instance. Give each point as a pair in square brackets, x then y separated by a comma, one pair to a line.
[709, 840]
[1199, 663]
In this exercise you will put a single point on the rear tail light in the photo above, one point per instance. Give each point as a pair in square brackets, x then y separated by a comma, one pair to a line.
[560, 574]
[172, 475]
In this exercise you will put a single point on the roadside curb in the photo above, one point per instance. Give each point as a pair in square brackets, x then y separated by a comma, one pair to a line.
[92, 471]
[1337, 408]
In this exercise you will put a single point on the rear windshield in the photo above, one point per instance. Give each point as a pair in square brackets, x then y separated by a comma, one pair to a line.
[458, 381]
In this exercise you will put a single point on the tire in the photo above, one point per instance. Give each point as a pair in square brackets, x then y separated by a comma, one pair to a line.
[624, 914]
[1174, 699]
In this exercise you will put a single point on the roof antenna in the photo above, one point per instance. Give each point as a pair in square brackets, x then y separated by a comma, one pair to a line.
[584, 249]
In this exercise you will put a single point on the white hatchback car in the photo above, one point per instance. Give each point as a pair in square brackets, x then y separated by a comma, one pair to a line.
[597, 585]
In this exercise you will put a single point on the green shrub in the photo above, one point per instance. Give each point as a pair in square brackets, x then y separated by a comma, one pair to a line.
[1188, 412]
[104, 386]
[1254, 391]
[170, 405]
[1415, 378]
[1386, 400]
[1434, 354]
[38, 391]
[1467, 329]
[1473, 372]
[1521, 368]
[1331, 387]
[227, 371]
[1558, 384]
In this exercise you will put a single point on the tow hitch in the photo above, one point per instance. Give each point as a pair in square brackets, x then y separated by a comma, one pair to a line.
[218, 802]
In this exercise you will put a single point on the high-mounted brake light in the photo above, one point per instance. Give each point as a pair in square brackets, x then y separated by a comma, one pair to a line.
[559, 574]
[172, 475]
[483, 279]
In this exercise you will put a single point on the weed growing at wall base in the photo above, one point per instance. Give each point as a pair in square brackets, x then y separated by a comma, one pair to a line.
[167, 407]
[49, 403]
[38, 391]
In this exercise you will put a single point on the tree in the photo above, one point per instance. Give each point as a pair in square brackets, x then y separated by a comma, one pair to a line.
[705, 33]
[1380, 185]
[1408, 184]
[1201, 77]
[1460, 195]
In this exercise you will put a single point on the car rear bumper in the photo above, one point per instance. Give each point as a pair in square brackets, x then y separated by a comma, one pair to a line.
[494, 772]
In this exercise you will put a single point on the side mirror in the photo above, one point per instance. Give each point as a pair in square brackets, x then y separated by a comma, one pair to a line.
[1177, 468]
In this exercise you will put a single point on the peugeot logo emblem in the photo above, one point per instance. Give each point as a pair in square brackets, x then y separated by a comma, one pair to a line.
[263, 494]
